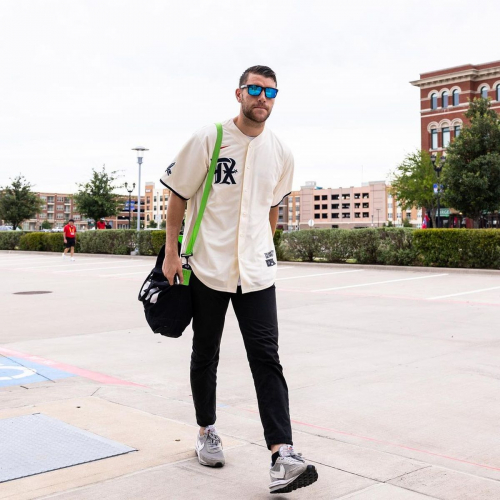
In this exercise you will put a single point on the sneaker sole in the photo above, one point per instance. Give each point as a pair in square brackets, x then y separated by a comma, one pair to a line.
[308, 477]
[217, 465]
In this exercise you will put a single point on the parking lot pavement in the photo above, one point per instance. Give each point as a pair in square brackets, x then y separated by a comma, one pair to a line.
[393, 378]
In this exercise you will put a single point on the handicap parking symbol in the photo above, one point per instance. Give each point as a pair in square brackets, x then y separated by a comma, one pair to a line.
[16, 371]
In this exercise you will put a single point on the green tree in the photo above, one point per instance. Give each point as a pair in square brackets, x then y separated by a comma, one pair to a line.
[412, 183]
[18, 202]
[152, 224]
[46, 225]
[471, 175]
[97, 198]
[163, 224]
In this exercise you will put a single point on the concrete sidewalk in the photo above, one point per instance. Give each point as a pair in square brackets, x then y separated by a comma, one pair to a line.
[393, 378]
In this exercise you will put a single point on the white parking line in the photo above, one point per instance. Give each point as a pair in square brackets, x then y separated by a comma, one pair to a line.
[63, 262]
[76, 269]
[321, 274]
[379, 283]
[119, 274]
[464, 293]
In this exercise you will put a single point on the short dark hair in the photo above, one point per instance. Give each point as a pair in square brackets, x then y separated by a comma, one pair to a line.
[258, 70]
[71, 220]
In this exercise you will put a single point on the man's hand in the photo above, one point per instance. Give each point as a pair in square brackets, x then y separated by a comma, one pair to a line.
[172, 265]
[65, 241]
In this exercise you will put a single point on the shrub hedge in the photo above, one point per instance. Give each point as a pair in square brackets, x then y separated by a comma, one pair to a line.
[463, 248]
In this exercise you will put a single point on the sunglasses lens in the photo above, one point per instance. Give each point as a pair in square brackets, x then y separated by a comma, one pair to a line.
[254, 90]
[271, 93]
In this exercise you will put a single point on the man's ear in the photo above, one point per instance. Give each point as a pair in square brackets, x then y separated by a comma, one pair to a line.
[238, 95]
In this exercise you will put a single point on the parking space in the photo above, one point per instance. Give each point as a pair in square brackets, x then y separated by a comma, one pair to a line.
[392, 372]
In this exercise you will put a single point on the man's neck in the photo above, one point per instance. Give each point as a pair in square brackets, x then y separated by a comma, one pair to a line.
[248, 127]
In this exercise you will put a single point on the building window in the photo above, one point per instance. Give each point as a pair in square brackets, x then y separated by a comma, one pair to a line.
[457, 130]
[408, 215]
[324, 207]
[60, 198]
[346, 216]
[316, 216]
[389, 205]
[60, 207]
[366, 215]
[444, 100]
[335, 196]
[335, 226]
[335, 216]
[59, 216]
[335, 206]
[484, 92]
[434, 101]
[346, 196]
[434, 138]
[316, 197]
[357, 196]
[324, 216]
[357, 215]
[366, 195]
[446, 136]
[50, 199]
[366, 205]
[498, 92]
[316, 207]
[456, 97]
[357, 205]
[389, 215]
[389, 196]
[346, 206]
[324, 197]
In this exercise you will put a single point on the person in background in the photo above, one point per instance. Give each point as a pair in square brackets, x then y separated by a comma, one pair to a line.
[69, 233]
[101, 224]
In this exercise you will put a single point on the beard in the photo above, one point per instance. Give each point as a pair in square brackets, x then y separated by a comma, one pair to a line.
[249, 112]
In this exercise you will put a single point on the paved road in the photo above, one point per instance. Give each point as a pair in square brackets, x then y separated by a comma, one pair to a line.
[393, 378]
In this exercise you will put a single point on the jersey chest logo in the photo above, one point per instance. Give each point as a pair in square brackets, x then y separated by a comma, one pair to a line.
[225, 171]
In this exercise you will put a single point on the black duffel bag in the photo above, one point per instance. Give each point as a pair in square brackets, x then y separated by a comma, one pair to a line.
[167, 307]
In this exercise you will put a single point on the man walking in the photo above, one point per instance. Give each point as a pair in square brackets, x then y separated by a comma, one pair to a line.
[234, 260]
[69, 233]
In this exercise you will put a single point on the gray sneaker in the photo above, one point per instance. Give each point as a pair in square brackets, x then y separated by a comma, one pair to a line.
[209, 448]
[291, 472]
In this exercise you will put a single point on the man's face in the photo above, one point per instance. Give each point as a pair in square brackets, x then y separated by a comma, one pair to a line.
[256, 108]
[71, 223]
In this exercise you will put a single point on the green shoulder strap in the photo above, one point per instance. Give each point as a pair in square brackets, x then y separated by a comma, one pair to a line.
[206, 191]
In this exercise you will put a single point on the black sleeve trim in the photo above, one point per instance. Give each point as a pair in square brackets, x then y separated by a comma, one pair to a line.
[174, 191]
[274, 206]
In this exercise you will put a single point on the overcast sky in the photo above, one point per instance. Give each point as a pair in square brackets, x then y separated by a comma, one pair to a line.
[84, 81]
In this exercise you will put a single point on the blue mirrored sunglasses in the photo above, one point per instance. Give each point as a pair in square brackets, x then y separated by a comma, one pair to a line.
[256, 90]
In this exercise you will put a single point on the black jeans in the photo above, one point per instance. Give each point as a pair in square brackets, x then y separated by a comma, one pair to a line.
[258, 320]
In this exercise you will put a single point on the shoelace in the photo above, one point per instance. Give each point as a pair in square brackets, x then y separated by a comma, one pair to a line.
[213, 440]
[290, 452]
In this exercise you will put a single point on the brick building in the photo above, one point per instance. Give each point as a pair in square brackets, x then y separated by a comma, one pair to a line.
[57, 209]
[156, 203]
[444, 96]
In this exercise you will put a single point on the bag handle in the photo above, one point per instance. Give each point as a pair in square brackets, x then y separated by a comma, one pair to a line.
[206, 191]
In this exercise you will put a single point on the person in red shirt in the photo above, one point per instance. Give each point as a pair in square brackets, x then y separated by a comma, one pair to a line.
[69, 233]
[101, 224]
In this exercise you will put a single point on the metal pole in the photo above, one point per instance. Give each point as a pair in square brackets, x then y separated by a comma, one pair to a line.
[439, 206]
[129, 201]
[139, 161]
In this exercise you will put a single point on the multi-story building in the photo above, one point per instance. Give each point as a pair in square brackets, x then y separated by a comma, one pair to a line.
[156, 204]
[57, 209]
[444, 98]
[289, 212]
[344, 208]
[396, 215]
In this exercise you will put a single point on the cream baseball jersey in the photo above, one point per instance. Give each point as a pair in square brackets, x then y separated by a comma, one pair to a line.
[235, 238]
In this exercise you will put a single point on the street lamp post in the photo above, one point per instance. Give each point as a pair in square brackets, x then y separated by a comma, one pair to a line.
[378, 217]
[140, 155]
[129, 191]
[438, 166]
